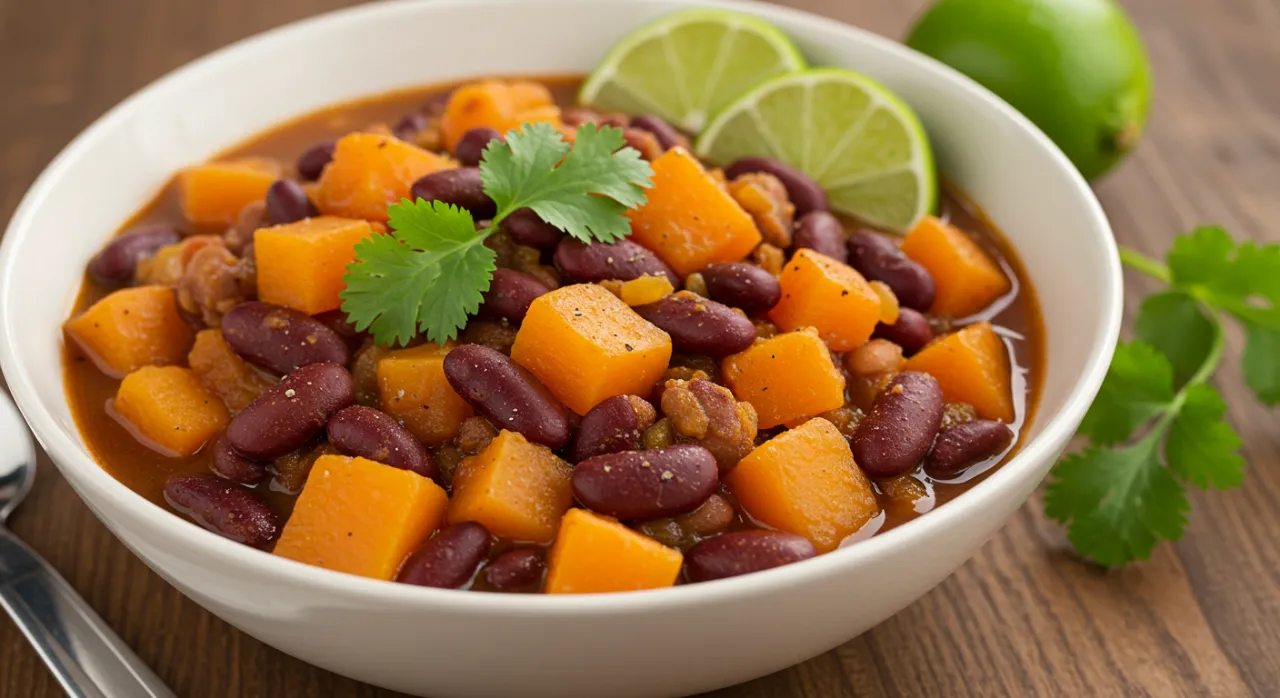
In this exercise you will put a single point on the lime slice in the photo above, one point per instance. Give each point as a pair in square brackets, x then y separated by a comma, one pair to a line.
[857, 139]
[687, 66]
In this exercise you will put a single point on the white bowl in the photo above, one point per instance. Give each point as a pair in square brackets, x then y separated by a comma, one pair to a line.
[449, 643]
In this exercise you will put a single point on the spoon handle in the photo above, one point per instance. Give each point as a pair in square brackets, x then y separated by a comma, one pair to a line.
[86, 657]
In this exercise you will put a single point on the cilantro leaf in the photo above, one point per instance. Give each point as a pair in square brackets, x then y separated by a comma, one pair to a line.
[1138, 386]
[429, 273]
[583, 191]
[1173, 323]
[1261, 362]
[1201, 448]
[1206, 258]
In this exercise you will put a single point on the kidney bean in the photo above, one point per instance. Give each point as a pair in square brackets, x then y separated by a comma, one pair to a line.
[368, 433]
[898, 431]
[510, 294]
[801, 189]
[742, 285]
[291, 412]
[461, 187]
[409, 125]
[623, 260]
[526, 228]
[821, 232]
[450, 559]
[879, 259]
[640, 485]
[516, 570]
[911, 331]
[311, 163]
[470, 148]
[616, 424]
[287, 202]
[699, 325]
[228, 464]
[281, 339]
[742, 552]
[965, 444]
[117, 262]
[223, 507]
[337, 321]
[668, 137]
[505, 393]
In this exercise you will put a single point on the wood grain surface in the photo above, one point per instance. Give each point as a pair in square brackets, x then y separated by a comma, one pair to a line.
[1024, 617]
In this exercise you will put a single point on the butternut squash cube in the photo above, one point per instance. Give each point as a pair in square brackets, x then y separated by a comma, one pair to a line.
[787, 378]
[224, 372]
[214, 194]
[595, 555]
[971, 365]
[820, 292]
[169, 409]
[413, 389]
[966, 278]
[586, 345]
[301, 264]
[804, 481]
[369, 171]
[132, 328]
[689, 220]
[361, 517]
[517, 489]
[498, 104]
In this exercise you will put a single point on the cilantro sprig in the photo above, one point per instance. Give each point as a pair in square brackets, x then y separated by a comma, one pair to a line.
[1157, 424]
[431, 271]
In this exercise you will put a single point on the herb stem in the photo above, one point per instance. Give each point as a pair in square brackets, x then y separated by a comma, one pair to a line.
[1139, 262]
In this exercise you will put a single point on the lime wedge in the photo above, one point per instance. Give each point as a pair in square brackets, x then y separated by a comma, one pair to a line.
[857, 139]
[687, 66]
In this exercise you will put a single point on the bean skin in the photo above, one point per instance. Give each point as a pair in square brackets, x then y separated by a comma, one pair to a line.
[526, 228]
[223, 507]
[968, 443]
[510, 294]
[470, 148]
[700, 325]
[363, 431]
[623, 260]
[904, 419]
[118, 260]
[823, 233]
[742, 285]
[878, 259]
[450, 559]
[642, 485]
[801, 189]
[668, 137]
[516, 570]
[911, 332]
[616, 424]
[506, 394]
[281, 339]
[291, 412]
[228, 464]
[288, 203]
[743, 552]
[461, 187]
[311, 163]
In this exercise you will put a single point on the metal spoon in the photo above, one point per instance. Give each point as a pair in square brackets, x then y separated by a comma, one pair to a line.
[86, 657]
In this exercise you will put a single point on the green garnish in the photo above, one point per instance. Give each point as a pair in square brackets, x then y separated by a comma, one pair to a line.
[430, 272]
[1157, 424]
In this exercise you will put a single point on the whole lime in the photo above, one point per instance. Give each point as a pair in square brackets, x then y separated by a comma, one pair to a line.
[1076, 68]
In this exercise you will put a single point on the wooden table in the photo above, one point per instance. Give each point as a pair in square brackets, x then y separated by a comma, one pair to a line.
[1024, 617]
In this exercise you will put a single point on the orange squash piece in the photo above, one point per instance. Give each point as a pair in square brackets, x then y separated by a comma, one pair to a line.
[690, 220]
[361, 517]
[132, 328]
[966, 278]
[214, 194]
[586, 345]
[224, 372]
[820, 292]
[413, 389]
[498, 104]
[517, 489]
[971, 365]
[595, 555]
[645, 290]
[787, 378]
[301, 264]
[169, 409]
[804, 481]
[369, 171]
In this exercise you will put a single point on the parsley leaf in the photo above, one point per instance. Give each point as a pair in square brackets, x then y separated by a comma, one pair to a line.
[1138, 386]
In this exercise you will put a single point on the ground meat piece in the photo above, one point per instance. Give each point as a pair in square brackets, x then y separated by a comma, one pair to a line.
[239, 235]
[213, 282]
[643, 141]
[712, 518]
[706, 364]
[765, 329]
[166, 266]
[291, 470]
[364, 369]
[545, 274]
[474, 434]
[495, 334]
[683, 373]
[447, 460]
[769, 257]
[954, 413]
[846, 420]
[709, 413]
[503, 247]
[765, 197]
